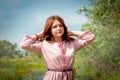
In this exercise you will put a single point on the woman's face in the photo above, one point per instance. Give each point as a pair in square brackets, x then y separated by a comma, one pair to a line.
[57, 29]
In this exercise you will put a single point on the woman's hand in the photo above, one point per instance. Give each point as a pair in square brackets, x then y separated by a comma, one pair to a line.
[40, 34]
[69, 33]
[74, 33]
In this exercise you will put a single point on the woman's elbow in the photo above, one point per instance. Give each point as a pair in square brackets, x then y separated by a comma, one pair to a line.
[23, 45]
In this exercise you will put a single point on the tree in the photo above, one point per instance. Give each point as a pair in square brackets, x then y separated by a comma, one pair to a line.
[103, 12]
[8, 49]
[104, 62]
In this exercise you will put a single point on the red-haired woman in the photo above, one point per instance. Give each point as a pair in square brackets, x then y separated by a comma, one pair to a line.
[57, 47]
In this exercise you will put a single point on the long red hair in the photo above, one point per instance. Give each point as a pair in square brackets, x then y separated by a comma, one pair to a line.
[47, 35]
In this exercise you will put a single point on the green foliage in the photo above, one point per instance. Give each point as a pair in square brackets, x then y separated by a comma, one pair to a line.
[103, 12]
[21, 68]
[100, 60]
[12, 70]
[106, 52]
[8, 49]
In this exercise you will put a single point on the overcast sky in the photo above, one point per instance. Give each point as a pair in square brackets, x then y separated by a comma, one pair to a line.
[20, 17]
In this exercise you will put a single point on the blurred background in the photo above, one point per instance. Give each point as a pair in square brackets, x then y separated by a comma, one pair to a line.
[98, 61]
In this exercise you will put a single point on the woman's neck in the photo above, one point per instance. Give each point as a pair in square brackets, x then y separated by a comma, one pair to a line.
[58, 39]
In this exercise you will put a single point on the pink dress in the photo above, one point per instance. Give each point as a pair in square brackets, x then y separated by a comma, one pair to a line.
[58, 55]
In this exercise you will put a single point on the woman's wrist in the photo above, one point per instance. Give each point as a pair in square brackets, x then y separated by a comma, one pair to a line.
[39, 34]
[37, 37]
[74, 33]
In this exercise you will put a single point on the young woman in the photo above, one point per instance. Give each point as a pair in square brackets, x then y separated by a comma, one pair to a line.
[57, 47]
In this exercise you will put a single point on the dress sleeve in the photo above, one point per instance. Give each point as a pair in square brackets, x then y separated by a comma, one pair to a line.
[29, 43]
[84, 39]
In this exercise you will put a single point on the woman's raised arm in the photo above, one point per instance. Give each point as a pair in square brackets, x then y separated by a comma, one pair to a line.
[30, 43]
[85, 38]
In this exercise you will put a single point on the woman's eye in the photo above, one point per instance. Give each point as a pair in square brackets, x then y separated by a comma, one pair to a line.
[60, 25]
[54, 26]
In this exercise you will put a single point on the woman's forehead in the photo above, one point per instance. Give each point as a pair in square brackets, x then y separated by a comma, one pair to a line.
[56, 22]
